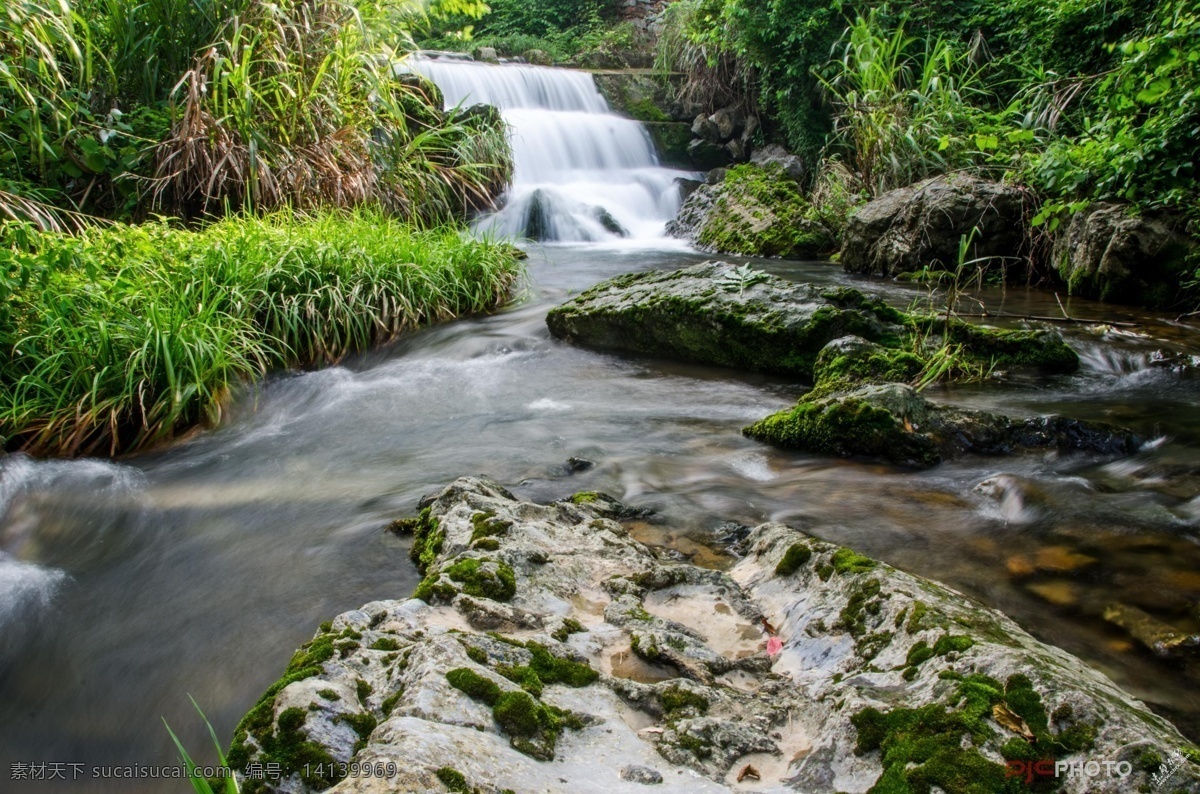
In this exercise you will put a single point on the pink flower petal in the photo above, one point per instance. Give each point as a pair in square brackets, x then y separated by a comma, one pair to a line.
[774, 646]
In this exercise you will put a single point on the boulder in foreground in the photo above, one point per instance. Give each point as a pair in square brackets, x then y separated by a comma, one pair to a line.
[606, 668]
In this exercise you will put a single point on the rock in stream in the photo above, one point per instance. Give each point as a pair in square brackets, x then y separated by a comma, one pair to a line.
[555, 653]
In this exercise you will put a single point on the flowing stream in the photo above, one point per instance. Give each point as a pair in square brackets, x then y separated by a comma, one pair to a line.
[126, 586]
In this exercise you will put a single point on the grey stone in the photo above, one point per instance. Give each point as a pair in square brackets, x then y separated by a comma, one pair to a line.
[1109, 254]
[922, 225]
[791, 164]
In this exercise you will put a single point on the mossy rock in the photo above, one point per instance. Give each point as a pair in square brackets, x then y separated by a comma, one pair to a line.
[892, 422]
[716, 313]
[757, 210]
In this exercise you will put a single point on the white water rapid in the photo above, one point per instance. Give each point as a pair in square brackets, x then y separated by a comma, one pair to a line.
[582, 173]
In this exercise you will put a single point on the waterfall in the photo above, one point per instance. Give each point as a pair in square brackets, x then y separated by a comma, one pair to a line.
[581, 172]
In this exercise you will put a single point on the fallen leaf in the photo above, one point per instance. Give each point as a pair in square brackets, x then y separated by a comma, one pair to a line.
[908, 428]
[1011, 720]
[774, 646]
[768, 628]
[748, 772]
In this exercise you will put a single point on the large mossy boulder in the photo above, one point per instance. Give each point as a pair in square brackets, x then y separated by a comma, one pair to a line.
[716, 313]
[1110, 254]
[864, 406]
[922, 225]
[756, 210]
[892, 422]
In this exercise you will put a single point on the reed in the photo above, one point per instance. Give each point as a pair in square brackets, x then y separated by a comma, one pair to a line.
[121, 337]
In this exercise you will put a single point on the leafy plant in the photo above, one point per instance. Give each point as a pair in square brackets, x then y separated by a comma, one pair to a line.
[228, 785]
[740, 278]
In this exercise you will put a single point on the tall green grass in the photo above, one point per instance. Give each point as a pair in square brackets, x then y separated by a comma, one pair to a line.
[120, 337]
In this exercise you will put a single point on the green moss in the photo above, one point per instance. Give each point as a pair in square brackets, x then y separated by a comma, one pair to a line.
[305, 663]
[864, 601]
[427, 539]
[846, 427]
[385, 644]
[518, 714]
[846, 561]
[646, 109]
[486, 544]
[523, 676]
[289, 747]
[760, 212]
[869, 645]
[938, 744]
[797, 555]
[919, 609]
[645, 648]
[570, 626]
[363, 690]
[693, 744]
[329, 694]
[675, 698]
[910, 673]
[554, 670]
[477, 655]
[454, 780]
[842, 373]
[1149, 762]
[825, 571]
[948, 643]
[918, 653]
[363, 725]
[1004, 349]
[389, 703]
[584, 497]
[484, 578]
[473, 685]
[486, 525]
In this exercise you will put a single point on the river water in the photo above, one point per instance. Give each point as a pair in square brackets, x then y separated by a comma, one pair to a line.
[126, 586]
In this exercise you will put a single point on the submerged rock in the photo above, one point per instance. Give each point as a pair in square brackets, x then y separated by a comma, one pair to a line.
[1108, 254]
[756, 211]
[892, 422]
[878, 679]
[922, 225]
[863, 406]
[716, 313]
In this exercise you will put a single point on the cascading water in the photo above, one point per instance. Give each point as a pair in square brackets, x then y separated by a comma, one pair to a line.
[582, 173]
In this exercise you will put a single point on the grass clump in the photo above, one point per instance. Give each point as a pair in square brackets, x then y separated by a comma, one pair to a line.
[122, 337]
[796, 555]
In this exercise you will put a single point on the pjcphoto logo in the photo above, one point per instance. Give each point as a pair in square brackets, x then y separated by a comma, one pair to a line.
[1048, 767]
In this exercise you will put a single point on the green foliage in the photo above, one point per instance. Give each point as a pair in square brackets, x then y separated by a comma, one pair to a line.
[124, 336]
[227, 785]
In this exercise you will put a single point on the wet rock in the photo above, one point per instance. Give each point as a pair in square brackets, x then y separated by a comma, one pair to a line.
[921, 225]
[714, 313]
[753, 210]
[727, 122]
[1109, 254]
[641, 774]
[705, 129]
[576, 465]
[705, 155]
[610, 224]
[892, 422]
[487, 55]
[869, 655]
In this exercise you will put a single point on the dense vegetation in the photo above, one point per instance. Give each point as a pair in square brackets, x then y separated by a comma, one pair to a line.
[306, 182]
[126, 335]
[562, 29]
[1081, 101]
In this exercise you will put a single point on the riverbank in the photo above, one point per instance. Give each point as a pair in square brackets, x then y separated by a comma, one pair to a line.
[127, 336]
